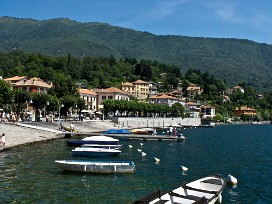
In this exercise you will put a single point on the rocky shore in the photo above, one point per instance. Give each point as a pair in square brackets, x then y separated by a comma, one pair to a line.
[26, 133]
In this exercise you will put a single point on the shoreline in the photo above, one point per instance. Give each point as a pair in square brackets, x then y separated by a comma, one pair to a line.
[31, 132]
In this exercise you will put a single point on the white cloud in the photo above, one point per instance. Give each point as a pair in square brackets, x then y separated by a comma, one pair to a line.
[164, 9]
[237, 12]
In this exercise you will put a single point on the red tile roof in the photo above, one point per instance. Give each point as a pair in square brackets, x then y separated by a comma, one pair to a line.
[86, 91]
[163, 96]
[112, 90]
[36, 82]
[140, 82]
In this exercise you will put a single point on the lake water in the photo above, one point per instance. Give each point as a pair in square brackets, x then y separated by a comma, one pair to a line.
[29, 174]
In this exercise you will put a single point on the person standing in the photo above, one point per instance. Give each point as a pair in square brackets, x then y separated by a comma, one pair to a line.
[61, 124]
[154, 132]
[72, 127]
[170, 130]
[3, 140]
[175, 131]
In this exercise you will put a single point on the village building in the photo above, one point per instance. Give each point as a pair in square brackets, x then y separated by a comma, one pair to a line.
[239, 88]
[192, 109]
[207, 111]
[90, 98]
[33, 85]
[176, 93]
[166, 99]
[138, 89]
[153, 89]
[245, 111]
[111, 93]
[193, 91]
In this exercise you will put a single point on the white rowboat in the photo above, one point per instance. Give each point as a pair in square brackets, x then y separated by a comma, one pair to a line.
[204, 190]
[97, 166]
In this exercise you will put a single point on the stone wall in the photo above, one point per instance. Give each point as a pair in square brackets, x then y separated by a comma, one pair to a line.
[156, 122]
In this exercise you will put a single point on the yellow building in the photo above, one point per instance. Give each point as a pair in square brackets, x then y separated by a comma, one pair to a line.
[138, 89]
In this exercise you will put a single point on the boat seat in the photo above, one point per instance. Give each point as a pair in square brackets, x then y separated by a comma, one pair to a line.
[189, 197]
[212, 181]
[146, 202]
[200, 190]
[150, 197]
[161, 201]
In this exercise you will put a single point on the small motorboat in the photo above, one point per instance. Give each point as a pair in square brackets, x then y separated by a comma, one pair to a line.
[97, 166]
[204, 190]
[105, 140]
[94, 152]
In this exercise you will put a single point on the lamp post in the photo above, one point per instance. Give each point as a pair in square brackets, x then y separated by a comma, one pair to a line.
[44, 117]
[61, 106]
[32, 111]
[75, 112]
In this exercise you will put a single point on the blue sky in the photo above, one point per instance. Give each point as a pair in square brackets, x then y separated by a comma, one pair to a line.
[242, 19]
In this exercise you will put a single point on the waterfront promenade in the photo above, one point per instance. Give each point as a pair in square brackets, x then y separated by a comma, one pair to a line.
[27, 133]
[30, 132]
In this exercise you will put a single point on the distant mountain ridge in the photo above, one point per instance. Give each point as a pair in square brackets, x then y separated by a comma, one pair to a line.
[234, 60]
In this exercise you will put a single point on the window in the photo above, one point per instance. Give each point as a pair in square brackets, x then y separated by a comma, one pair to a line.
[110, 97]
[104, 97]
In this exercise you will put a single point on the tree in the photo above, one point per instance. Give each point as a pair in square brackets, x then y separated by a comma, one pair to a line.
[81, 106]
[39, 102]
[63, 85]
[6, 93]
[68, 101]
[21, 97]
[177, 110]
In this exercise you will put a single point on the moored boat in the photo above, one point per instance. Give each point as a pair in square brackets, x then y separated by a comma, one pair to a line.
[204, 190]
[94, 152]
[97, 166]
[143, 131]
[118, 131]
[105, 140]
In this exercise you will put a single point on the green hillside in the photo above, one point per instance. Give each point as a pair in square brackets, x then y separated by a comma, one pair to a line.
[231, 59]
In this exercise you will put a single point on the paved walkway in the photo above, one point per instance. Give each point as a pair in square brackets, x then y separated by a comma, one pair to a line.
[25, 133]
[17, 135]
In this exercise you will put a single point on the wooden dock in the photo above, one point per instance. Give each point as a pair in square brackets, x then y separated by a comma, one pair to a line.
[126, 137]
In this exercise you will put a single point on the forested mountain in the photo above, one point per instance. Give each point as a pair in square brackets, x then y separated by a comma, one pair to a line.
[231, 59]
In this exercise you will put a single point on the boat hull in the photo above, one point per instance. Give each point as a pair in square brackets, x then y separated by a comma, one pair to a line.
[94, 152]
[102, 140]
[105, 167]
[79, 143]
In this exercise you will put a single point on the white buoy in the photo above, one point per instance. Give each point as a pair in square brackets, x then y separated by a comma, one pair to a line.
[184, 168]
[231, 180]
[139, 150]
[141, 144]
[130, 146]
[157, 160]
[143, 154]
